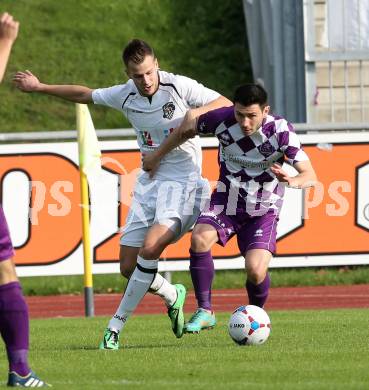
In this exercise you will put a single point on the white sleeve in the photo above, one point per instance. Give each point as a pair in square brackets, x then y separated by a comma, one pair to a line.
[111, 97]
[194, 93]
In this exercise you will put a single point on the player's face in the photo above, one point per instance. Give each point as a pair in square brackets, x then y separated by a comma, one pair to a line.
[144, 75]
[250, 118]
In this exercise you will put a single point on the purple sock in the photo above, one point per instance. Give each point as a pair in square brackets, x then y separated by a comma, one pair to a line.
[14, 326]
[258, 293]
[202, 275]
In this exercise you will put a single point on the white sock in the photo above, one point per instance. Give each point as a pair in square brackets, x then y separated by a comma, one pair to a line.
[160, 286]
[137, 286]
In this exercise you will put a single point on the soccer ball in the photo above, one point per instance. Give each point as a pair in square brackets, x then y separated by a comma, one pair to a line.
[249, 325]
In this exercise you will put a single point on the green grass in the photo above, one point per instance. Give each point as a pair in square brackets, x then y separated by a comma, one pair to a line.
[114, 283]
[307, 350]
[80, 42]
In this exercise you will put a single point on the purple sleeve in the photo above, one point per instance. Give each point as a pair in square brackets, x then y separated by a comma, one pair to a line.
[207, 123]
[290, 145]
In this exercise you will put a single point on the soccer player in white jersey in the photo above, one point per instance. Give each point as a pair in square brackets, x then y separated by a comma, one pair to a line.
[155, 102]
[253, 145]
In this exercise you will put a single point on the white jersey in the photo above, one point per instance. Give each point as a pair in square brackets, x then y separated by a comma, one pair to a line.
[153, 119]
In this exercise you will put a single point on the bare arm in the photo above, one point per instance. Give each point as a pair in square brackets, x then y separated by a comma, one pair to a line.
[27, 82]
[8, 34]
[305, 178]
[181, 134]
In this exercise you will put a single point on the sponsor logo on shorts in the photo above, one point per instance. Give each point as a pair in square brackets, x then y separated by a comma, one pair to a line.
[258, 233]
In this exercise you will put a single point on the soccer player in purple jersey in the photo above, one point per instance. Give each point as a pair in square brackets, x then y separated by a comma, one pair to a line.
[14, 323]
[253, 145]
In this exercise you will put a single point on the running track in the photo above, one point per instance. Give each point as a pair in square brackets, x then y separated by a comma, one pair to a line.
[223, 300]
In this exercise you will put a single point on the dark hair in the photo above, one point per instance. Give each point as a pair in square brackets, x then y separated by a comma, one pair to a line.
[249, 94]
[136, 51]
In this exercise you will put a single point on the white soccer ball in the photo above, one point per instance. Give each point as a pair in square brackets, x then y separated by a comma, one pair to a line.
[249, 325]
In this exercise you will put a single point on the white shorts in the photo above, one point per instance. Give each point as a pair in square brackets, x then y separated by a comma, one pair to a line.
[173, 204]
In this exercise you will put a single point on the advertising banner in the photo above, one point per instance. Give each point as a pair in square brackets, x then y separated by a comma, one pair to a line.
[40, 193]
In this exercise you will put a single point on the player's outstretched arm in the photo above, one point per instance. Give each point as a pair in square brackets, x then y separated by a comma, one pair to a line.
[305, 178]
[28, 82]
[8, 34]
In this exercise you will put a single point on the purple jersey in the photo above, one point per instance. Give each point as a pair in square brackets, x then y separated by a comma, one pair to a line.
[245, 180]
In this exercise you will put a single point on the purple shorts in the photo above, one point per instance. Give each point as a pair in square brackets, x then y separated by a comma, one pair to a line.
[6, 247]
[259, 232]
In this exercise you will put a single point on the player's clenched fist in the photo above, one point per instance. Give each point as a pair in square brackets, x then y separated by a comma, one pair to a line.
[8, 27]
[8, 34]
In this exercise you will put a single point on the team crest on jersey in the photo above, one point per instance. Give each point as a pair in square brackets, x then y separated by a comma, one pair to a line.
[168, 110]
[266, 149]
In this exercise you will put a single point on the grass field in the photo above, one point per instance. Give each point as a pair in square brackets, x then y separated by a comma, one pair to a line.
[306, 350]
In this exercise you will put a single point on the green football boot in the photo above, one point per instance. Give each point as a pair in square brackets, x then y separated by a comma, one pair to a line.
[110, 340]
[200, 320]
[175, 312]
